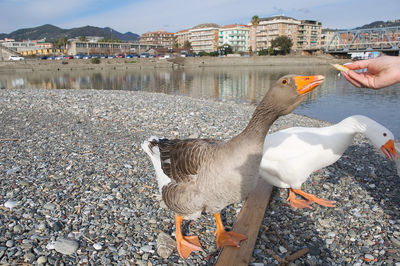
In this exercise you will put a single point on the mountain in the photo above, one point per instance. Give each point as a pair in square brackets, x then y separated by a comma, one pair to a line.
[52, 33]
[381, 24]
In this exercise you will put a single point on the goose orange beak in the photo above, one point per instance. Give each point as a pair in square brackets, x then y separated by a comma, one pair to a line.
[389, 150]
[307, 83]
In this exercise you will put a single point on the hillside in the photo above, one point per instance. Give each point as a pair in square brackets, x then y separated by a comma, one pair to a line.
[381, 24]
[52, 33]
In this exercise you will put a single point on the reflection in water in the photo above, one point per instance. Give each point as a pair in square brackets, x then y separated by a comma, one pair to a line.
[333, 101]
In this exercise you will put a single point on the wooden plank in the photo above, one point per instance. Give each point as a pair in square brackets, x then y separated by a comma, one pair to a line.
[248, 223]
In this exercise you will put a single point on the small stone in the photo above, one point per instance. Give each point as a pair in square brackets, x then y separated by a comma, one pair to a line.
[66, 246]
[282, 249]
[128, 166]
[165, 245]
[29, 257]
[395, 241]
[313, 250]
[10, 243]
[49, 206]
[42, 260]
[14, 170]
[17, 229]
[26, 246]
[369, 257]
[50, 245]
[57, 226]
[147, 249]
[10, 204]
[329, 241]
[97, 246]
[121, 252]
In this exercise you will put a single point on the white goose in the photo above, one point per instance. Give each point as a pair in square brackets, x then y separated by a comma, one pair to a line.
[292, 154]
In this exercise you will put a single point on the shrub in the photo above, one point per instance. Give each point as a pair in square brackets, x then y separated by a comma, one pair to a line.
[95, 61]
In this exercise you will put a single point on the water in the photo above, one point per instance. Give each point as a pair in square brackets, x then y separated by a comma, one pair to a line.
[333, 101]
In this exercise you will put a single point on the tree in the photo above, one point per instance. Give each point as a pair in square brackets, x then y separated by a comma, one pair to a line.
[187, 44]
[61, 43]
[281, 45]
[82, 38]
[255, 20]
[225, 49]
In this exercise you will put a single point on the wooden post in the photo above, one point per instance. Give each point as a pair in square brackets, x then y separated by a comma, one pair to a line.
[248, 223]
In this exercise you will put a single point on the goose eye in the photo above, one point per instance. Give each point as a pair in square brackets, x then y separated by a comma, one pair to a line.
[384, 134]
[284, 81]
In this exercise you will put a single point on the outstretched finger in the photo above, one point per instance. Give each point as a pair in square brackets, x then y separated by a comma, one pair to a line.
[351, 80]
[359, 64]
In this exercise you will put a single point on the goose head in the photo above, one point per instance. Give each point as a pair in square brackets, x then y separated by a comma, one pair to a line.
[289, 91]
[379, 135]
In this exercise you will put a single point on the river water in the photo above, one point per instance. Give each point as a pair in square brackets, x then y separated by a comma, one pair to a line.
[333, 101]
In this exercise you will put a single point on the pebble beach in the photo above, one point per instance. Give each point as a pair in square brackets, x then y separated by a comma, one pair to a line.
[76, 187]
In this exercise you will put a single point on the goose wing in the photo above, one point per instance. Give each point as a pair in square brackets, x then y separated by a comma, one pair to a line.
[181, 160]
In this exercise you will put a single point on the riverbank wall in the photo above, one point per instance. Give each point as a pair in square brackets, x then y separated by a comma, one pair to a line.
[179, 62]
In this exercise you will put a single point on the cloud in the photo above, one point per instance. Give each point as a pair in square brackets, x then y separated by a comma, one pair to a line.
[304, 10]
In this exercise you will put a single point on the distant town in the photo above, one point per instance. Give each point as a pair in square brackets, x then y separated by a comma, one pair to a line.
[261, 36]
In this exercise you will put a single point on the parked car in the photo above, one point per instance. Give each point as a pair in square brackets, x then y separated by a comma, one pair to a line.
[43, 57]
[78, 56]
[111, 56]
[15, 58]
[121, 56]
[69, 57]
[86, 57]
[51, 57]
[129, 56]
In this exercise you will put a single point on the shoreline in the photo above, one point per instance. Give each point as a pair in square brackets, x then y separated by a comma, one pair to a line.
[178, 62]
[77, 172]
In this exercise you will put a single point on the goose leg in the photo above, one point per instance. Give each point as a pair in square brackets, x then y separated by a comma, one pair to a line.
[297, 203]
[225, 238]
[185, 244]
[312, 198]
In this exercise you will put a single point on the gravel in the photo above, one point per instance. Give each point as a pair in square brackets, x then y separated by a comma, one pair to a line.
[73, 175]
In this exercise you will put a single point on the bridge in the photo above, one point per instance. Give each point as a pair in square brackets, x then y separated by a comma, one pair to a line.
[385, 40]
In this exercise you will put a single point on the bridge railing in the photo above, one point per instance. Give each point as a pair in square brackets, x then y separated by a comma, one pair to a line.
[361, 40]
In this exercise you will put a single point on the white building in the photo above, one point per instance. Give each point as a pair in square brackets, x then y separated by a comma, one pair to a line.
[235, 35]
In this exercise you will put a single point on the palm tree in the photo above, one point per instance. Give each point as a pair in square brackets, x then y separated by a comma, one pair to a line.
[255, 20]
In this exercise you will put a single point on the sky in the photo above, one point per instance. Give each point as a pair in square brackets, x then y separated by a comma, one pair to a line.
[140, 16]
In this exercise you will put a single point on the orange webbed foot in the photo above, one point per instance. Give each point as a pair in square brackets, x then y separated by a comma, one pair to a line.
[187, 244]
[225, 238]
[311, 198]
[233, 239]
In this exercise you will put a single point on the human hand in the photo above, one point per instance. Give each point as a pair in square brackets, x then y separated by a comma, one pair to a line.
[382, 72]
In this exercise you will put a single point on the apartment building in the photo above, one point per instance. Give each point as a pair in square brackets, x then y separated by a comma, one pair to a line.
[236, 35]
[273, 27]
[181, 37]
[158, 38]
[204, 37]
[326, 37]
[309, 35]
